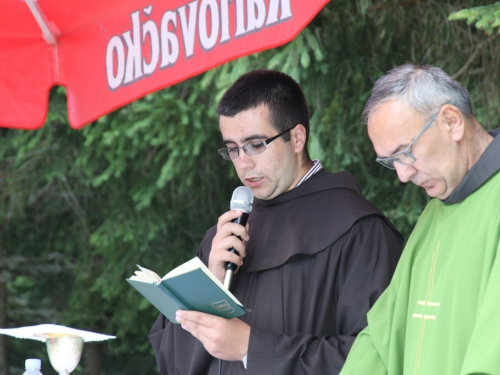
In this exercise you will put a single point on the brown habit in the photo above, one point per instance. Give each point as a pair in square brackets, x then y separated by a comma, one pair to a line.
[318, 258]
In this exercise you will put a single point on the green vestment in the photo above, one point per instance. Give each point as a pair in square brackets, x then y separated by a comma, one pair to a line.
[441, 313]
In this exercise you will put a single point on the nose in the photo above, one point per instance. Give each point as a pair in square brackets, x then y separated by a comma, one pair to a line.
[405, 172]
[243, 161]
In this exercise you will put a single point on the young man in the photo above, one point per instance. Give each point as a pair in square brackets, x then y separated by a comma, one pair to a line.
[314, 258]
[440, 315]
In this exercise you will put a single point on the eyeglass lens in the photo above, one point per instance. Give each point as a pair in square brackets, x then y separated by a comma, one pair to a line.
[253, 148]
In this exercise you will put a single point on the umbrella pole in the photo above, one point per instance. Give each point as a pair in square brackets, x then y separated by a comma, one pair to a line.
[48, 32]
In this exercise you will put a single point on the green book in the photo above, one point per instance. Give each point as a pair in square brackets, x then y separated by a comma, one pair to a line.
[191, 286]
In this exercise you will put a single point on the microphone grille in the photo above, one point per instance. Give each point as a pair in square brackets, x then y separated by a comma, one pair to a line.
[242, 199]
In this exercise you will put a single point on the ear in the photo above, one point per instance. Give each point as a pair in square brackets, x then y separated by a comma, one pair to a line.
[298, 137]
[453, 121]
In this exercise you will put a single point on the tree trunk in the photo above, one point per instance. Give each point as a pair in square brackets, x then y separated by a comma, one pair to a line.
[93, 353]
[4, 366]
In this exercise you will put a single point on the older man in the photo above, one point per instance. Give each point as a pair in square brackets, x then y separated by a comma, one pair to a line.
[441, 313]
[313, 261]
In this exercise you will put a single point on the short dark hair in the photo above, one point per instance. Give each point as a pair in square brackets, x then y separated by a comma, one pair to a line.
[278, 91]
[425, 88]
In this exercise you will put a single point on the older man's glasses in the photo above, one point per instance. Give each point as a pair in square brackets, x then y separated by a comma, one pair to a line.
[252, 148]
[405, 157]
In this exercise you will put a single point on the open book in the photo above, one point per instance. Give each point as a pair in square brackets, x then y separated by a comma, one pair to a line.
[191, 286]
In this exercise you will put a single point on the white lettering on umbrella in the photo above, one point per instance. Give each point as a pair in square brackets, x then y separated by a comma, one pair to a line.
[256, 14]
[224, 15]
[149, 28]
[188, 27]
[115, 48]
[169, 41]
[208, 42]
[240, 18]
[133, 68]
[286, 11]
[127, 57]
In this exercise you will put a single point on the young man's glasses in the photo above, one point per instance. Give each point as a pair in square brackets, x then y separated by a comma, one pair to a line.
[252, 148]
[405, 157]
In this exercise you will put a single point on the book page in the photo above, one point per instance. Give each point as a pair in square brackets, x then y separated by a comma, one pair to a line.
[190, 265]
[146, 275]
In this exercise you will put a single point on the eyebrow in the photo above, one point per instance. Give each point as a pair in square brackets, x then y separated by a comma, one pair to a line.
[254, 137]
[397, 149]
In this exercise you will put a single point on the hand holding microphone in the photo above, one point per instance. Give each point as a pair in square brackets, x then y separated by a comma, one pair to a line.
[241, 200]
[231, 234]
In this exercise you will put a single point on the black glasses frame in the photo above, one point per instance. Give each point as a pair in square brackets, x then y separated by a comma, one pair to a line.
[255, 148]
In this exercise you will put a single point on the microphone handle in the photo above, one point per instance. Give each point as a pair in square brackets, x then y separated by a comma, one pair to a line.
[231, 267]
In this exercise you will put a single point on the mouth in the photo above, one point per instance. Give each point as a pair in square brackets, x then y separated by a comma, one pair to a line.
[425, 184]
[253, 182]
[429, 187]
[422, 184]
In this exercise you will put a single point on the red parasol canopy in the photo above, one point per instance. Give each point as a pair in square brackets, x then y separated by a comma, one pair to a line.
[108, 53]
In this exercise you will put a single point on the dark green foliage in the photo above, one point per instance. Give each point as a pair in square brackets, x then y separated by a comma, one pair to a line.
[485, 17]
[78, 209]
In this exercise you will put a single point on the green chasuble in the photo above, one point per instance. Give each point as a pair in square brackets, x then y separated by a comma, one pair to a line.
[441, 313]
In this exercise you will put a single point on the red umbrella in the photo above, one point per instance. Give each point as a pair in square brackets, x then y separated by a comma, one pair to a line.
[108, 53]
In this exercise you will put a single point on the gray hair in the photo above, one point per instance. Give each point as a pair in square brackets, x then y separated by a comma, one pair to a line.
[424, 88]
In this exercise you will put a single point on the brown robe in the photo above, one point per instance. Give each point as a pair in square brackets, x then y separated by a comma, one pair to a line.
[318, 258]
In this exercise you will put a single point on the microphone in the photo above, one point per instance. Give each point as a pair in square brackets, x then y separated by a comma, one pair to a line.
[242, 200]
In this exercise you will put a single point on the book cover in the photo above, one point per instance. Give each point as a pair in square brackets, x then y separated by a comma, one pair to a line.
[191, 286]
